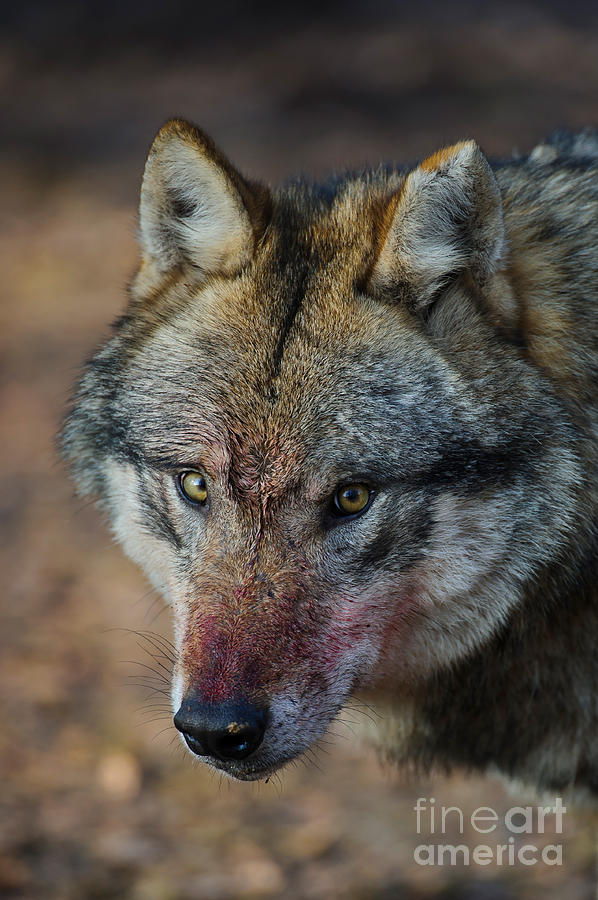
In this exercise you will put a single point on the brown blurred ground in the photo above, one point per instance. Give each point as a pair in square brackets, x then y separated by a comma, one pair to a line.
[96, 801]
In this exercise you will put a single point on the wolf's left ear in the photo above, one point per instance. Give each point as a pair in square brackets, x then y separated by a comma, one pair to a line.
[446, 218]
[195, 207]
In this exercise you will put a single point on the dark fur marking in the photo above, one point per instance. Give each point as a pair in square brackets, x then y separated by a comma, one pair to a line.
[468, 464]
[416, 529]
[377, 550]
[157, 519]
[182, 207]
[298, 266]
[550, 229]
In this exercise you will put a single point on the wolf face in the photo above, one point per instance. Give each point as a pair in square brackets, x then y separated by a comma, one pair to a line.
[316, 432]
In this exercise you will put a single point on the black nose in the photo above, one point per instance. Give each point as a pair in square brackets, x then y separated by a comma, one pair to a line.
[230, 730]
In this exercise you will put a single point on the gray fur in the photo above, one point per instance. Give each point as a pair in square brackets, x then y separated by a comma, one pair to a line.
[431, 334]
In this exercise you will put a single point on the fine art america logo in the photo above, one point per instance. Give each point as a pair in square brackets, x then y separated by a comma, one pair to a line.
[515, 849]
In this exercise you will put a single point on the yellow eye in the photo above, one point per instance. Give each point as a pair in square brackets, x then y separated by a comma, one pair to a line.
[193, 486]
[352, 499]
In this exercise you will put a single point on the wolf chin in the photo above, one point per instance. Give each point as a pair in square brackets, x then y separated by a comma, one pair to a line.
[349, 430]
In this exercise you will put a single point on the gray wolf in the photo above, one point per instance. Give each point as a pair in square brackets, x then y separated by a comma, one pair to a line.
[349, 430]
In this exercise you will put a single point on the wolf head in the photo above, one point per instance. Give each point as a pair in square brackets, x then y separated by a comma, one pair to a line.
[314, 431]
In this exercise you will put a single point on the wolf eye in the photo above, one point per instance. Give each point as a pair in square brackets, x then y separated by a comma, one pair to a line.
[352, 499]
[193, 487]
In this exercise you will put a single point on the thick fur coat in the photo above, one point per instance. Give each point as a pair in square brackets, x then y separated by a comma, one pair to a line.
[418, 343]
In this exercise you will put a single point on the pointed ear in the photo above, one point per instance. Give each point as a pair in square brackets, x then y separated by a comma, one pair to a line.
[195, 207]
[447, 218]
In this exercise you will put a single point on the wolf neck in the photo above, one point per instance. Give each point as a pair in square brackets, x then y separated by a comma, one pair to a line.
[526, 703]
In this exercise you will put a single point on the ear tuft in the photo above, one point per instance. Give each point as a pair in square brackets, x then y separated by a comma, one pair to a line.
[447, 219]
[195, 207]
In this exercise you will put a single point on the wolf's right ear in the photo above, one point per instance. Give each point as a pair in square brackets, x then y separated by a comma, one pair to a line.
[195, 207]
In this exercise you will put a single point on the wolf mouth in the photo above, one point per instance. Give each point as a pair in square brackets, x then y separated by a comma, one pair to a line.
[251, 772]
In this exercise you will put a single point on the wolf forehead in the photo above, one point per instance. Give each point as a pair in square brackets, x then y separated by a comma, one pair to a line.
[262, 351]
[225, 378]
[273, 326]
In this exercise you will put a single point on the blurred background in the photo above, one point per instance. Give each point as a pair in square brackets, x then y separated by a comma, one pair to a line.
[97, 799]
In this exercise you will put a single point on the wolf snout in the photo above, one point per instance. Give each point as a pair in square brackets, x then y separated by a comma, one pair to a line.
[231, 730]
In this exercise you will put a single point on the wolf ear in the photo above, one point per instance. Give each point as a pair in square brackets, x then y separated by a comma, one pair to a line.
[195, 207]
[447, 218]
